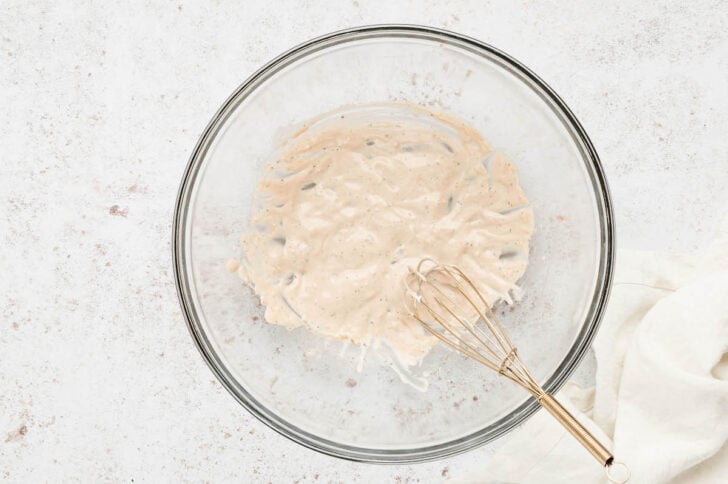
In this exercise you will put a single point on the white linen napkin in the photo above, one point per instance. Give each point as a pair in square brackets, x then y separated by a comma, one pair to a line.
[661, 395]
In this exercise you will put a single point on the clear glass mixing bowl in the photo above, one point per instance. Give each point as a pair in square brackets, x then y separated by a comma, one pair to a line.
[308, 389]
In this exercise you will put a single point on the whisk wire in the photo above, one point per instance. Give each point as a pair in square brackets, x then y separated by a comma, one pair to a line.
[439, 294]
[473, 330]
[481, 336]
[470, 353]
[463, 321]
[460, 344]
[492, 322]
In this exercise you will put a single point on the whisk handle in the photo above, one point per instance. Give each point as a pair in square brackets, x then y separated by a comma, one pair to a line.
[576, 429]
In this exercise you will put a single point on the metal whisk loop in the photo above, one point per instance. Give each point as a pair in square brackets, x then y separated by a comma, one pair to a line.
[507, 361]
[449, 306]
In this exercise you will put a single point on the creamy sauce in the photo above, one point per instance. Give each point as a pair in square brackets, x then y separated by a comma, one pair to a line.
[360, 195]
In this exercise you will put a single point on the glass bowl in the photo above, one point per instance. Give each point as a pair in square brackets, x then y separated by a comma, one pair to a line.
[309, 389]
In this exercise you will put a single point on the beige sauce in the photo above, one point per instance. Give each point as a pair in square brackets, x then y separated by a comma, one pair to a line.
[358, 197]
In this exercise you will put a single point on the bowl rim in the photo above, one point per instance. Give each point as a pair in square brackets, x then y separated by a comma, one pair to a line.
[481, 436]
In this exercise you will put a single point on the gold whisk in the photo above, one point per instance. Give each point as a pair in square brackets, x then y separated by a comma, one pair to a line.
[447, 304]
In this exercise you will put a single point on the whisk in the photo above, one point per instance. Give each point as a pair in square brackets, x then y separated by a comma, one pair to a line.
[448, 305]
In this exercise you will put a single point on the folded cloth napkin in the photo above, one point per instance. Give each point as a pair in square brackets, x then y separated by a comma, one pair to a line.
[661, 394]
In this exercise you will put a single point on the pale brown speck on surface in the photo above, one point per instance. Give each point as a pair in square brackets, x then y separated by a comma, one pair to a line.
[351, 383]
[445, 472]
[118, 212]
[17, 435]
[137, 189]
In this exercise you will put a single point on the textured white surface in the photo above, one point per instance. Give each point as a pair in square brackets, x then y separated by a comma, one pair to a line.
[101, 106]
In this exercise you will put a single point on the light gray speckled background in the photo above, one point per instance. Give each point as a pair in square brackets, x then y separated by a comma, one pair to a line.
[101, 105]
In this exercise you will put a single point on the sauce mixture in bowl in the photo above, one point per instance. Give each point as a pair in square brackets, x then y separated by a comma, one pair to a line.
[358, 197]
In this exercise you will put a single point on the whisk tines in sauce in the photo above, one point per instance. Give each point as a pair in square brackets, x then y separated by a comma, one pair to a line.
[448, 305]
